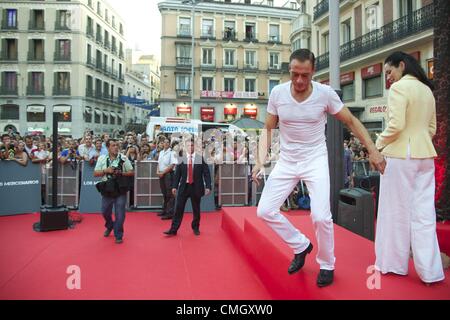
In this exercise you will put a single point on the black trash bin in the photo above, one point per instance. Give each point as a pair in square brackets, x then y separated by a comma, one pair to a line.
[356, 212]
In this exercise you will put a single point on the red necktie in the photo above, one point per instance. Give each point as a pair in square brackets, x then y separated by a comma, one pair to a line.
[190, 175]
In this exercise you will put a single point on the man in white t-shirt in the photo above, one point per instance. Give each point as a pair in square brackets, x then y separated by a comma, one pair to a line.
[300, 108]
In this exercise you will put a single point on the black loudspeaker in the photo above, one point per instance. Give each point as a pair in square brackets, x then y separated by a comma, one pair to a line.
[53, 219]
[356, 212]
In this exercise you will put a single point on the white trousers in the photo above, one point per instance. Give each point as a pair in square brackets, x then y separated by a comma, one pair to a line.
[407, 219]
[284, 177]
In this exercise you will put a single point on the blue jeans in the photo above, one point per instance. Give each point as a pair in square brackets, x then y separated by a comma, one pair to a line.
[119, 209]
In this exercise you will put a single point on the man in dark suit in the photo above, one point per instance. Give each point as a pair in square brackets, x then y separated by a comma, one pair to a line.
[191, 176]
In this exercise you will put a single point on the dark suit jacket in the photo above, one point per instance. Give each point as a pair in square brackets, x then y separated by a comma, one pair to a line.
[202, 176]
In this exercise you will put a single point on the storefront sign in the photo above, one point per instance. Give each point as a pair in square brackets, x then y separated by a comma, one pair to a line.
[251, 111]
[378, 109]
[184, 110]
[230, 110]
[207, 114]
[229, 94]
[371, 71]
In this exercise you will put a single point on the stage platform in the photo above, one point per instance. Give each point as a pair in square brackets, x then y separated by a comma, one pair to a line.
[270, 257]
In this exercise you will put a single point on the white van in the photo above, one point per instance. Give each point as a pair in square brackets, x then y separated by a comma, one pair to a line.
[170, 125]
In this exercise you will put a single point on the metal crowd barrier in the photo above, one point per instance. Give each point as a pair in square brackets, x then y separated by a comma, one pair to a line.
[68, 184]
[233, 186]
[147, 192]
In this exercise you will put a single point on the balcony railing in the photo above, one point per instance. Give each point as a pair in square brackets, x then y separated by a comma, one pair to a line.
[184, 31]
[251, 37]
[6, 26]
[208, 65]
[91, 62]
[230, 66]
[418, 21]
[36, 26]
[36, 57]
[274, 39]
[229, 36]
[107, 45]
[33, 91]
[58, 57]
[61, 27]
[184, 62]
[275, 68]
[321, 8]
[251, 67]
[61, 91]
[99, 38]
[89, 92]
[182, 93]
[4, 91]
[4, 56]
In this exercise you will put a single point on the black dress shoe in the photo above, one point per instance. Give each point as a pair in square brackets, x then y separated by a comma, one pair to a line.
[325, 277]
[197, 232]
[119, 240]
[107, 233]
[160, 214]
[170, 232]
[299, 260]
[166, 217]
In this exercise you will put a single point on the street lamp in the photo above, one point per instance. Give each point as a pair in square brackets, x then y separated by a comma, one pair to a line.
[192, 3]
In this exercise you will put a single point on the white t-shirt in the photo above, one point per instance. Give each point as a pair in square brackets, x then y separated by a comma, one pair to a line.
[302, 125]
[166, 158]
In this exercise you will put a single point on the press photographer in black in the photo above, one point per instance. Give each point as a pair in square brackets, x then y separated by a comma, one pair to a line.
[114, 169]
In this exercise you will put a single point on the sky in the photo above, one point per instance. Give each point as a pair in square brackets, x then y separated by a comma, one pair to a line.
[143, 23]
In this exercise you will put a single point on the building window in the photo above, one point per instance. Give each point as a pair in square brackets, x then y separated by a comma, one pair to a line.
[36, 113]
[406, 7]
[97, 114]
[272, 84]
[207, 56]
[373, 17]
[229, 30]
[207, 84]
[35, 83]
[183, 85]
[325, 42]
[105, 117]
[250, 31]
[11, 18]
[229, 58]
[184, 27]
[208, 28]
[63, 49]
[87, 114]
[372, 87]
[348, 92]
[62, 83]
[63, 21]
[229, 84]
[346, 31]
[9, 112]
[250, 85]
[274, 33]
[274, 60]
[9, 83]
[250, 58]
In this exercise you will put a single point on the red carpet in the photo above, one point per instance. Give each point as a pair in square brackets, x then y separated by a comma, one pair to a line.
[270, 257]
[146, 266]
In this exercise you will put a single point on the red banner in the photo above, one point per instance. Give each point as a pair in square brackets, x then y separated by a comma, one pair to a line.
[371, 71]
[207, 114]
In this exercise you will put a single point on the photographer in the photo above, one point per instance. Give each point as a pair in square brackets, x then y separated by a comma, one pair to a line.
[70, 154]
[113, 167]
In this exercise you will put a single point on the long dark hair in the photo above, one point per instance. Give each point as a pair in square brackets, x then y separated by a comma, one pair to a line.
[412, 66]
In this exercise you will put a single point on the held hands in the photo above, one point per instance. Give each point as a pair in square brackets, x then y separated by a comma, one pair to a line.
[174, 192]
[377, 161]
[257, 172]
[207, 191]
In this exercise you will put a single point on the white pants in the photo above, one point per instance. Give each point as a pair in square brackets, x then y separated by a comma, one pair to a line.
[284, 177]
[407, 219]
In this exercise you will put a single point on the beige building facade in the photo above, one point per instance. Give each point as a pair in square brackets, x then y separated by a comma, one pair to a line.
[65, 57]
[369, 31]
[241, 52]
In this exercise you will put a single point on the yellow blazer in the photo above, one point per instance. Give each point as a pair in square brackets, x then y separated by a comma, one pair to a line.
[411, 118]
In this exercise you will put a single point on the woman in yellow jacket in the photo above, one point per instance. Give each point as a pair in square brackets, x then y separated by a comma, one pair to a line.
[406, 215]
